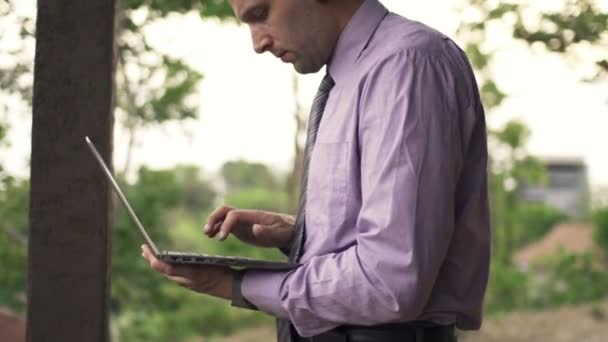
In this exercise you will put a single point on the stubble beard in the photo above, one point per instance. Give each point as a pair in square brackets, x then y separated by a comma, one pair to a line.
[310, 64]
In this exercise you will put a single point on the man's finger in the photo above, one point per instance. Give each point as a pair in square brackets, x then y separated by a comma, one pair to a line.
[182, 281]
[211, 232]
[215, 217]
[231, 220]
[235, 217]
[147, 253]
[162, 267]
[158, 265]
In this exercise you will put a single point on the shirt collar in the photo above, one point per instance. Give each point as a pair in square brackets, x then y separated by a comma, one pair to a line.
[354, 38]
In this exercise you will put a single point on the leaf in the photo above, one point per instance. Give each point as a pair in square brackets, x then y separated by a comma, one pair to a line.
[478, 59]
[514, 134]
[502, 9]
[491, 95]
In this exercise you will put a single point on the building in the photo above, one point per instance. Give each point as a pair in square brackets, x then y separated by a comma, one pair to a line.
[566, 188]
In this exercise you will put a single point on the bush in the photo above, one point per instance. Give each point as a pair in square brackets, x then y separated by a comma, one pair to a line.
[600, 218]
[570, 279]
[507, 288]
[173, 204]
[533, 220]
[565, 279]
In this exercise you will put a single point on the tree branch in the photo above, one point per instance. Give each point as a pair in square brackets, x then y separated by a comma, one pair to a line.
[15, 235]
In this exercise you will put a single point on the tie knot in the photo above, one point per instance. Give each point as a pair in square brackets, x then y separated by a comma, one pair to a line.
[326, 84]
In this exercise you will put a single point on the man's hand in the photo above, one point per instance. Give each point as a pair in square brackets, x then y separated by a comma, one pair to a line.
[212, 280]
[256, 227]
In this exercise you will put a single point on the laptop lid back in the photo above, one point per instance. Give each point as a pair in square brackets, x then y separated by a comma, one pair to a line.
[122, 197]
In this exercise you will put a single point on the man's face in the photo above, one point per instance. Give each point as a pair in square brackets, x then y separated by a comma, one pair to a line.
[301, 32]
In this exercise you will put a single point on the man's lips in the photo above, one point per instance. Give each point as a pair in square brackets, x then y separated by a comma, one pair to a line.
[284, 56]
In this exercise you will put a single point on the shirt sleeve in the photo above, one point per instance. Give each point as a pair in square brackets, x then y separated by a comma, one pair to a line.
[408, 178]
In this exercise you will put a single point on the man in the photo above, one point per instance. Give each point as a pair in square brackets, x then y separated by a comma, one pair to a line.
[393, 228]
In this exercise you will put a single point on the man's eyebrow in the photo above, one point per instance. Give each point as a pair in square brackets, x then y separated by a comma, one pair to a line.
[249, 15]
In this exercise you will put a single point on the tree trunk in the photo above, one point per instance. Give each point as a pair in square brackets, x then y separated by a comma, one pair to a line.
[69, 237]
[293, 180]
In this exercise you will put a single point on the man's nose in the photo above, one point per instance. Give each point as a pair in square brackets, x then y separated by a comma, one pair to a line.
[262, 41]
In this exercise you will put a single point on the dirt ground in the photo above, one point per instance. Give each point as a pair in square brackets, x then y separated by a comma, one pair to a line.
[584, 323]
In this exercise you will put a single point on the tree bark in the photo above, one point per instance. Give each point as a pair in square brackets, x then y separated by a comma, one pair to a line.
[70, 211]
[294, 177]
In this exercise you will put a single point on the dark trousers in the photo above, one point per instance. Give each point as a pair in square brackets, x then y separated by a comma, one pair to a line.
[395, 332]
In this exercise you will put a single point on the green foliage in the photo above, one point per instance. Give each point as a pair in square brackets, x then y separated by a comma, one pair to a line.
[528, 169]
[565, 279]
[14, 202]
[478, 59]
[532, 221]
[600, 219]
[164, 87]
[169, 98]
[206, 8]
[3, 129]
[501, 9]
[507, 288]
[157, 87]
[258, 198]
[508, 173]
[16, 66]
[253, 187]
[153, 86]
[578, 23]
[4, 177]
[190, 315]
[261, 199]
[514, 134]
[136, 290]
[241, 174]
[152, 197]
[511, 167]
[173, 205]
[196, 194]
[571, 279]
[491, 95]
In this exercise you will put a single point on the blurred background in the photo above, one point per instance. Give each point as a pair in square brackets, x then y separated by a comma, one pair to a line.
[202, 120]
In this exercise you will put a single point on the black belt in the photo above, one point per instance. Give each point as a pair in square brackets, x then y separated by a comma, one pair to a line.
[394, 332]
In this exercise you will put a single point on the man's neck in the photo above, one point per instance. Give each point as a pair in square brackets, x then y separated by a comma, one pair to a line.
[345, 9]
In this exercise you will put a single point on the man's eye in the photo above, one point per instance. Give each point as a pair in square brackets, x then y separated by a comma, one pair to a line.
[259, 13]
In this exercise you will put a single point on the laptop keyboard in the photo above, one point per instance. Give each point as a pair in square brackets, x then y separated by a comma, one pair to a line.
[231, 261]
[200, 255]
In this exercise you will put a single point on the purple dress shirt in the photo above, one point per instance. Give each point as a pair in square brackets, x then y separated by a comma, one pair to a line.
[397, 218]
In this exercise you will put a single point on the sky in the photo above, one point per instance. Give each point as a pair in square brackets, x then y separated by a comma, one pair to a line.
[247, 102]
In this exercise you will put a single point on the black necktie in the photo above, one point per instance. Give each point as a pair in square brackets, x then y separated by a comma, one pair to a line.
[316, 113]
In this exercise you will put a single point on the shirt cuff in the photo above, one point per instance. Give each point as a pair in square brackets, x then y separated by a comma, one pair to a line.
[237, 296]
[263, 290]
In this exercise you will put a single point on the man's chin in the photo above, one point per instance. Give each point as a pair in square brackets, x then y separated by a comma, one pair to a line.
[306, 68]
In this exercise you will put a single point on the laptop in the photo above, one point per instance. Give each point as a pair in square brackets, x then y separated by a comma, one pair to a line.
[186, 257]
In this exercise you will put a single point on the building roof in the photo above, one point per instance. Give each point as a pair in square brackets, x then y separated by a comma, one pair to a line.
[563, 160]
